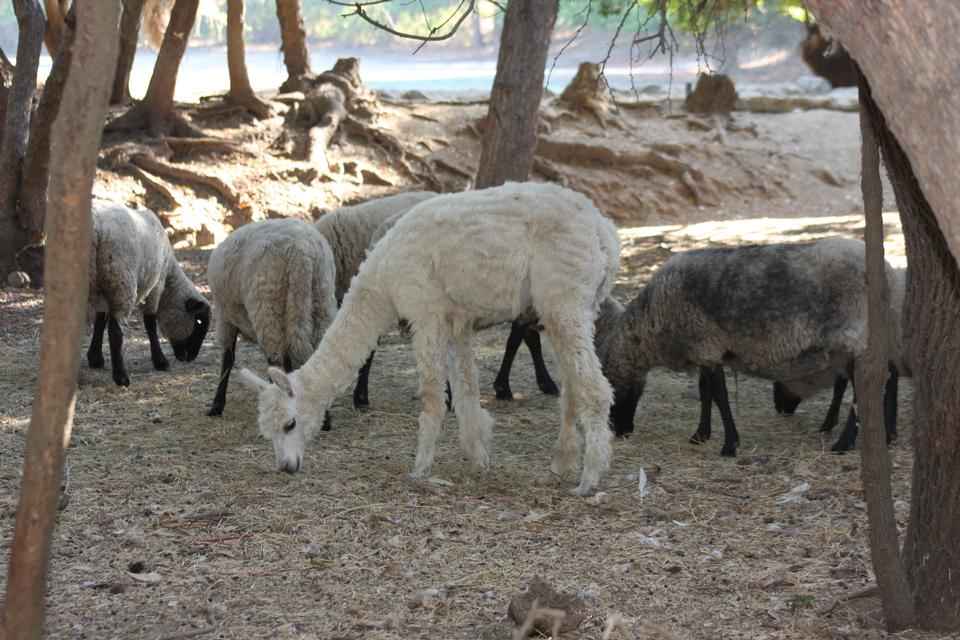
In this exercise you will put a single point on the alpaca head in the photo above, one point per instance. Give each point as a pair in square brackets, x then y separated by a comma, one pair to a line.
[281, 418]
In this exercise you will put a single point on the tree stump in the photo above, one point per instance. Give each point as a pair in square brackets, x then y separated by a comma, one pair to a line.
[714, 94]
[585, 93]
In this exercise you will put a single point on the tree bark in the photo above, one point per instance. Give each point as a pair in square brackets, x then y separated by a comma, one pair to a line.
[31, 22]
[36, 164]
[871, 377]
[241, 93]
[293, 45]
[155, 112]
[76, 139]
[510, 136]
[53, 32]
[931, 345]
[129, 34]
[912, 59]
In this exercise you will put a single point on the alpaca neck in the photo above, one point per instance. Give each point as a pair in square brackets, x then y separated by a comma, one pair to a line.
[365, 315]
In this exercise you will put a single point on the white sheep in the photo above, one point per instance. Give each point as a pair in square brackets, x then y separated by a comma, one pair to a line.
[352, 231]
[785, 312]
[453, 264]
[132, 265]
[272, 282]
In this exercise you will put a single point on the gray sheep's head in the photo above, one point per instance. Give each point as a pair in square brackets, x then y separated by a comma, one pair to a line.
[185, 324]
[282, 418]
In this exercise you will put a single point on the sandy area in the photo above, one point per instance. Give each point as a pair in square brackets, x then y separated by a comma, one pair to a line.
[176, 525]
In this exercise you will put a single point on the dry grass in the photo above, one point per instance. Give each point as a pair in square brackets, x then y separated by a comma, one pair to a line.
[178, 526]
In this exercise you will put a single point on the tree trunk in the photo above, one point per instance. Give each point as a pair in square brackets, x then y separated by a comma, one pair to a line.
[36, 164]
[155, 112]
[53, 32]
[293, 45]
[241, 92]
[31, 22]
[871, 377]
[129, 35]
[912, 60]
[76, 139]
[510, 135]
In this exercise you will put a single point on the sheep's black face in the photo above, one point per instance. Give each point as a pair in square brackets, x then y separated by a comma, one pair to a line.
[622, 410]
[188, 348]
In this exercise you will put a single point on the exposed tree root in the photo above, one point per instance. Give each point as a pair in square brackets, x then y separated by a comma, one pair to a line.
[159, 168]
[230, 103]
[186, 145]
[139, 117]
[151, 183]
[549, 171]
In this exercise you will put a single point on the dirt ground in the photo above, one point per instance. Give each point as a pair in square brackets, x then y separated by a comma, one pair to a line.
[175, 525]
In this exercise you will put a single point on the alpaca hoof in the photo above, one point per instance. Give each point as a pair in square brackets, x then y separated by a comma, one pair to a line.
[326, 422]
[95, 361]
[161, 364]
[841, 447]
[360, 400]
[584, 489]
[549, 388]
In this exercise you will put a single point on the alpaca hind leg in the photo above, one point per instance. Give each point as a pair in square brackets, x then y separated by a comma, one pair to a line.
[428, 349]
[475, 423]
[572, 338]
[566, 456]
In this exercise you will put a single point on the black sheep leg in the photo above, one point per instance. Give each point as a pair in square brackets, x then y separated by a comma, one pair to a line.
[160, 362]
[706, 407]
[95, 352]
[890, 403]
[718, 388]
[360, 392]
[115, 336]
[531, 338]
[833, 413]
[848, 437]
[501, 384]
[784, 400]
[226, 365]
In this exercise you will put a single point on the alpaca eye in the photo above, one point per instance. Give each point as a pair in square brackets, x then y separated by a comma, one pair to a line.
[287, 428]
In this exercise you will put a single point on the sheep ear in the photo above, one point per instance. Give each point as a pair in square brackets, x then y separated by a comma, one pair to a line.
[193, 305]
[252, 381]
[281, 380]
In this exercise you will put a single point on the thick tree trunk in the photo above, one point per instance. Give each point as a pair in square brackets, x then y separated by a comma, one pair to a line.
[36, 164]
[294, 45]
[871, 378]
[31, 22]
[76, 139]
[241, 93]
[155, 112]
[912, 59]
[129, 35]
[510, 136]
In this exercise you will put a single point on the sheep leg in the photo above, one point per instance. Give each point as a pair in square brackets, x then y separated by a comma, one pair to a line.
[226, 365]
[573, 344]
[848, 437]
[705, 385]
[115, 336]
[502, 383]
[731, 439]
[160, 362]
[833, 413]
[360, 392]
[784, 400]
[622, 411]
[890, 403]
[428, 349]
[545, 383]
[95, 352]
[475, 423]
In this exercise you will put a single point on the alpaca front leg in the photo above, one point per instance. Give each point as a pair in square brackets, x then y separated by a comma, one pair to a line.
[475, 423]
[429, 355]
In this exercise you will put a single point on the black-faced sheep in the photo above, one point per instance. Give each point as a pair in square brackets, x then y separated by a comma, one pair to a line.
[453, 264]
[784, 312]
[132, 264]
[272, 282]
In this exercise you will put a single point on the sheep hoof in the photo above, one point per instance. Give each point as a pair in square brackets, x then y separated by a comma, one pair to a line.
[122, 379]
[503, 391]
[95, 361]
[215, 410]
[841, 447]
[161, 364]
[729, 452]
[699, 438]
[360, 400]
[549, 388]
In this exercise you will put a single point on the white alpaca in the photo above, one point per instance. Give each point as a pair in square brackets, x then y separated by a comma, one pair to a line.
[453, 264]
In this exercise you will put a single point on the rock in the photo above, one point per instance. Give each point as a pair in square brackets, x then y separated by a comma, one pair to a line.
[18, 279]
[415, 95]
[814, 85]
[714, 93]
[542, 595]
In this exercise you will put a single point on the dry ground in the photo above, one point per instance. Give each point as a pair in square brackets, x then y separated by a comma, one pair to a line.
[176, 525]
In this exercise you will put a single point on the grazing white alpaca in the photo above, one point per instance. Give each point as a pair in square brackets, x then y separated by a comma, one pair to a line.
[453, 264]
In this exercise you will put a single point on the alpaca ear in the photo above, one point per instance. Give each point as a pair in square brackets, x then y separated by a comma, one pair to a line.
[252, 381]
[281, 380]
